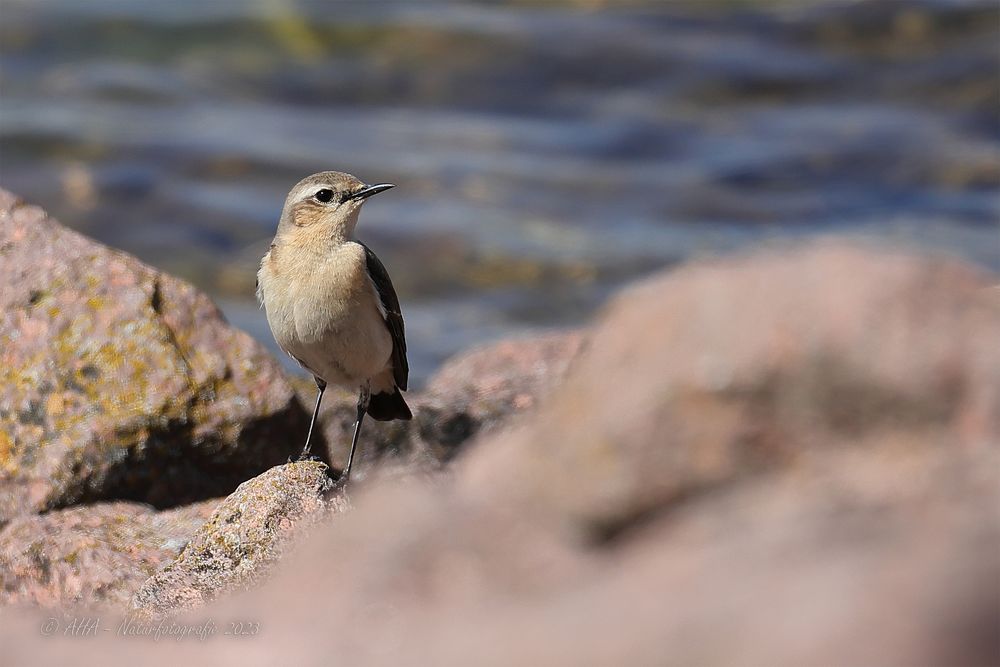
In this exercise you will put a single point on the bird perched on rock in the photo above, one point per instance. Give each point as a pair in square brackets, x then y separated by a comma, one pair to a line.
[330, 303]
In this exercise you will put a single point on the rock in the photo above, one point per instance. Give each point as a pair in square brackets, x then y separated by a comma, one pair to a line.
[784, 458]
[479, 391]
[717, 371]
[475, 393]
[120, 382]
[96, 554]
[797, 448]
[240, 541]
[851, 558]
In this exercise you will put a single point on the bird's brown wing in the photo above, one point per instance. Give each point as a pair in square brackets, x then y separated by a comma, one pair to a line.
[393, 316]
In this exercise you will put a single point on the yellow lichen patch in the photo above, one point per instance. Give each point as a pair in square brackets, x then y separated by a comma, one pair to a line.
[118, 384]
[55, 404]
[6, 452]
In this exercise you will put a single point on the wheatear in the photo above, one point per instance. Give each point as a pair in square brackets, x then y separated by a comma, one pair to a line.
[329, 300]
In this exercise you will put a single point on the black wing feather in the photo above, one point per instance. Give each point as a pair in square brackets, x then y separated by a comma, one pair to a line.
[393, 316]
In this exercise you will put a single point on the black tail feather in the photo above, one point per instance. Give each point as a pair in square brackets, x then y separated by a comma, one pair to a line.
[388, 406]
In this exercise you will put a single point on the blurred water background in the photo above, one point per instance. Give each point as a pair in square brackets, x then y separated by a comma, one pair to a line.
[545, 152]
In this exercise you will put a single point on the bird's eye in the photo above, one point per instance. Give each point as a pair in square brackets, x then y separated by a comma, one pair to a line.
[324, 195]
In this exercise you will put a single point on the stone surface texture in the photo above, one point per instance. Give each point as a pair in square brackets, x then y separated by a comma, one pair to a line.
[118, 382]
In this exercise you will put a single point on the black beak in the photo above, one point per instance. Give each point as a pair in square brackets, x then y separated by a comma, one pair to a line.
[369, 190]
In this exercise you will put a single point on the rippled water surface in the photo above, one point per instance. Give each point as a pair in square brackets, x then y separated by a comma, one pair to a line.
[545, 153]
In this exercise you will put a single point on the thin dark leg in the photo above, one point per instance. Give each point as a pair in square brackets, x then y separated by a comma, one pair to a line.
[362, 408]
[321, 385]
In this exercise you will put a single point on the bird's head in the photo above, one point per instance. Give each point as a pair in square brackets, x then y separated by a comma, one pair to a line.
[329, 200]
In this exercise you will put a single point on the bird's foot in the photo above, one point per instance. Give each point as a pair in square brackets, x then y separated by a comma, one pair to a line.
[308, 457]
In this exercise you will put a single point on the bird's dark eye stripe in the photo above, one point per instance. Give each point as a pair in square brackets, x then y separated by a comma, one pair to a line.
[325, 195]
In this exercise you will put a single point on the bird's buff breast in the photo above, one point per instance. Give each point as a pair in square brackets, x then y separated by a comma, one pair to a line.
[322, 309]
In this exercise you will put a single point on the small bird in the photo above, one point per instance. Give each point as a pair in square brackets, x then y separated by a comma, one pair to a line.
[330, 303]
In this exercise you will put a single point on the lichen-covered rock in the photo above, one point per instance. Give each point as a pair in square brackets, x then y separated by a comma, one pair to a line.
[96, 554]
[241, 540]
[120, 382]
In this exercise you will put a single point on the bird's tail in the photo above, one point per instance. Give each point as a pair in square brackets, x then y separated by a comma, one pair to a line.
[388, 405]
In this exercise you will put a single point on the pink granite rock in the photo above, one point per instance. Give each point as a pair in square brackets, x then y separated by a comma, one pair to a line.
[784, 458]
[91, 555]
[242, 539]
[718, 370]
[475, 393]
[120, 382]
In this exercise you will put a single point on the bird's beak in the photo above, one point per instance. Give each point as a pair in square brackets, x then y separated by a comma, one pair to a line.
[369, 190]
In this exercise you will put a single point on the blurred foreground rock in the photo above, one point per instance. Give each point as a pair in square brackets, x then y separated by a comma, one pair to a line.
[241, 540]
[714, 372]
[788, 458]
[120, 382]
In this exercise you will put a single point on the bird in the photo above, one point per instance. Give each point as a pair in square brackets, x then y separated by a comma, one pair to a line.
[330, 303]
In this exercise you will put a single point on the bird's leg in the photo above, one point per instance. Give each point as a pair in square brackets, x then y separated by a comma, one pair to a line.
[362, 408]
[320, 385]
